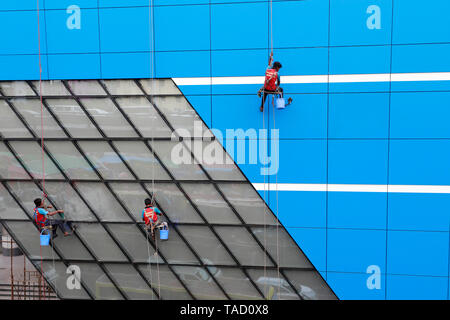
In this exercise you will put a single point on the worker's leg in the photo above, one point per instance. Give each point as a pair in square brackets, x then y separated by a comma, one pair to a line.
[261, 108]
[58, 223]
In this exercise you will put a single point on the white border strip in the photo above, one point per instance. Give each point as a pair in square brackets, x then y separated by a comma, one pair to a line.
[392, 188]
[333, 78]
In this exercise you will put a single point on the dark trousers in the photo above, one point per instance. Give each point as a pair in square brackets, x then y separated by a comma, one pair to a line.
[267, 92]
[63, 225]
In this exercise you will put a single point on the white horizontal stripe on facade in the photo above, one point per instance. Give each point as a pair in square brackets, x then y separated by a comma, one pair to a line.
[333, 78]
[392, 188]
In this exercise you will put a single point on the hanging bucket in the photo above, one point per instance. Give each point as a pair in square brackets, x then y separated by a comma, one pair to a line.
[164, 234]
[44, 238]
[280, 103]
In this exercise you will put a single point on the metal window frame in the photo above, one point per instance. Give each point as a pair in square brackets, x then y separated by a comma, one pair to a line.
[142, 183]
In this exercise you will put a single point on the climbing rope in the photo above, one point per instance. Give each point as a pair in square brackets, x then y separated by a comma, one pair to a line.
[264, 217]
[42, 129]
[152, 88]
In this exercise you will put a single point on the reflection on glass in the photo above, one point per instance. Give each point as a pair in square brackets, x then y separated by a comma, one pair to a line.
[182, 116]
[273, 285]
[134, 242]
[122, 87]
[243, 246]
[30, 109]
[141, 160]
[310, 285]
[9, 209]
[286, 253]
[30, 153]
[164, 282]
[108, 117]
[98, 283]
[86, 88]
[144, 117]
[178, 160]
[25, 192]
[102, 201]
[64, 197]
[175, 250]
[10, 125]
[247, 203]
[210, 203]
[68, 157]
[27, 235]
[130, 282]
[236, 284]
[100, 242]
[10, 168]
[50, 88]
[206, 245]
[200, 282]
[159, 87]
[105, 160]
[73, 118]
[16, 88]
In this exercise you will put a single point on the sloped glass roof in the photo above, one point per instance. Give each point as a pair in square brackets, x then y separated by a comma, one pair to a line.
[108, 147]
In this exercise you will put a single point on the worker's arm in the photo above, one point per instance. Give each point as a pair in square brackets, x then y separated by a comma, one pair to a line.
[54, 212]
[158, 212]
[270, 59]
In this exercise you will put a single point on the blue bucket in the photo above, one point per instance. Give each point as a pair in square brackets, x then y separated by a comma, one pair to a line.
[164, 234]
[44, 238]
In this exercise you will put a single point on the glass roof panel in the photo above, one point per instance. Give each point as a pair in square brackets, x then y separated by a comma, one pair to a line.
[10, 168]
[86, 88]
[100, 242]
[141, 160]
[210, 203]
[16, 88]
[70, 160]
[50, 88]
[207, 245]
[10, 125]
[105, 160]
[73, 118]
[164, 282]
[144, 116]
[30, 153]
[247, 203]
[159, 87]
[30, 109]
[102, 202]
[108, 117]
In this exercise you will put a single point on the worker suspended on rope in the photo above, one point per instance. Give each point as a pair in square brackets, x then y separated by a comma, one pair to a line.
[271, 82]
[150, 217]
[41, 220]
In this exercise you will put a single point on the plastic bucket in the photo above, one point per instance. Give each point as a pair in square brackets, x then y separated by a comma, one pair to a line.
[164, 234]
[280, 103]
[45, 239]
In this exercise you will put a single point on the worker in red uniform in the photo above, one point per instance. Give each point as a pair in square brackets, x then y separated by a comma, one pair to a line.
[41, 220]
[150, 216]
[271, 82]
